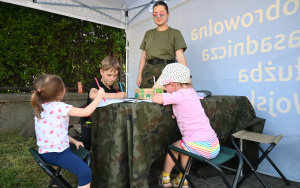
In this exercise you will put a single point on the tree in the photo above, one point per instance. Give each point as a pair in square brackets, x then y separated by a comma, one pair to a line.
[34, 42]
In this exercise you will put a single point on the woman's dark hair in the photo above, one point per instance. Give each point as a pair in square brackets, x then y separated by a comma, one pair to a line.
[161, 3]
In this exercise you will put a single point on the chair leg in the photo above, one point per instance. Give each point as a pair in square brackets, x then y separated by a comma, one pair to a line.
[221, 173]
[181, 169]
[185, 172]
[252, 167]
[51, 183]
[277, 169]
[249, 173]
[239, 170]
[219, 170]
[51, 173]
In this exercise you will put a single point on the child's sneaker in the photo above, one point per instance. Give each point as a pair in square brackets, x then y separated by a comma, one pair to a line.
[176, 182]
[164, 181]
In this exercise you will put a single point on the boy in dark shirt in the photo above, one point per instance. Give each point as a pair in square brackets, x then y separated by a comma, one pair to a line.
[109, 71]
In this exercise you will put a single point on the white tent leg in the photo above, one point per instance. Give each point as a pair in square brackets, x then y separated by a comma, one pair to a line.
[127, 52]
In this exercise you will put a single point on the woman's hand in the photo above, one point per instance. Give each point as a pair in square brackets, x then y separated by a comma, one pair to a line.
[139, 81]
[141, 67]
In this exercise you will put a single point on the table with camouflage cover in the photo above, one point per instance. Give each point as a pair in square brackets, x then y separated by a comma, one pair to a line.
[128, 137]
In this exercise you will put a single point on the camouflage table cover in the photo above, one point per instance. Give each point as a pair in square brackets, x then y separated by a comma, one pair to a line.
[128, 137]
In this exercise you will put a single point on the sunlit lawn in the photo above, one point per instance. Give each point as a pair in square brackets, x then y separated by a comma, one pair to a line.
[18, 168]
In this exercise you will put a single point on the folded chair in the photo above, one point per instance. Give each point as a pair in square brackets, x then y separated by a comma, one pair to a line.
[257, 138]
[55, 174]
[225, 155]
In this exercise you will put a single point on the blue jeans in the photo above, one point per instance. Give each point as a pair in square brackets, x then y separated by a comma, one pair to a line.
[71, 162]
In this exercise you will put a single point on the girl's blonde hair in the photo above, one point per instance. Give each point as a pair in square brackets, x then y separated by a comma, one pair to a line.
[47, 88]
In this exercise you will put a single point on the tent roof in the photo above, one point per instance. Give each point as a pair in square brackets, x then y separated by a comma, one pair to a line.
[106, 12]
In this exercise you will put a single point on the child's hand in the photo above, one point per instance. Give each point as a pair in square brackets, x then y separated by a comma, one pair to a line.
[77, 144]
[158, 98]
[121, 95]
[101, 93]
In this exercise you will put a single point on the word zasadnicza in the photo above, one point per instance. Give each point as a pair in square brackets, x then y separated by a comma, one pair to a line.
[253, 46]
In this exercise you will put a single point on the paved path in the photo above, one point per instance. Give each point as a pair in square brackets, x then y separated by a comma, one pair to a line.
[216, 182]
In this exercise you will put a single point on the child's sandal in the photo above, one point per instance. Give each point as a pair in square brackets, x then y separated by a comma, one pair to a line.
[176, 182]
[162, 179]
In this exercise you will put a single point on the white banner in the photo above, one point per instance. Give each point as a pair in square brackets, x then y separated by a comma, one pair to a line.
[248, 48]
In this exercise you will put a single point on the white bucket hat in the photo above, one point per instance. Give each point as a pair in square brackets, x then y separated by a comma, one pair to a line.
[174, 72]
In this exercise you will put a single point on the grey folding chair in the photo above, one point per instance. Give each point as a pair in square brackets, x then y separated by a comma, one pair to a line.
[257, 138]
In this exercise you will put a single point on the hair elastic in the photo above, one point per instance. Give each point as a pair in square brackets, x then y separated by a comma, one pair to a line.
[38, 90]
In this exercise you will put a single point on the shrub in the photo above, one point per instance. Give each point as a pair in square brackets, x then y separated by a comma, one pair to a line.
[34, 42]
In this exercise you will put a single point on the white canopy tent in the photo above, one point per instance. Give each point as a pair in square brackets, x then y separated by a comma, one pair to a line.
[248, 48]
[114, 13]
[106, 12]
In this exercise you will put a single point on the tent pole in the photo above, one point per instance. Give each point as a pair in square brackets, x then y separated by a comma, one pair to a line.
[127, 51]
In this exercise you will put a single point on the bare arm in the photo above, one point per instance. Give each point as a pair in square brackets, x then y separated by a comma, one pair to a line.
[75, 142]
[158, 98]
[141, 67]
[93, 93]
[120, 95]
[87, 111]
[180, 57]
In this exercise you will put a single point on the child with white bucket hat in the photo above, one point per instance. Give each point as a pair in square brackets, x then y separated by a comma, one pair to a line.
[198, 137]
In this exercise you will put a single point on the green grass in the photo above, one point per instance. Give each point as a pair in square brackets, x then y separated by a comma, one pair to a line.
[18, 168]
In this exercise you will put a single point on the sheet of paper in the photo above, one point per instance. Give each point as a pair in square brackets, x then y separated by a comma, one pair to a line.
[109, 101]
[112, 101]
[136, 100]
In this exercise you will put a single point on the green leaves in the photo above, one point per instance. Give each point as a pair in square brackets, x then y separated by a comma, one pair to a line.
[34, 42]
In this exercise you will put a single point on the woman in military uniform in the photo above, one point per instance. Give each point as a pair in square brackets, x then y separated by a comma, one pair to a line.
[161, 45]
